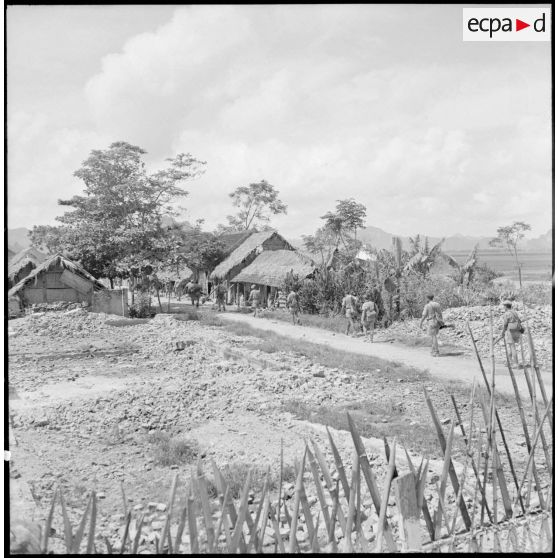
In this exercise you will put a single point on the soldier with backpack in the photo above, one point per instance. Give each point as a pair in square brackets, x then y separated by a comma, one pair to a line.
[433, 313]
[511, 332]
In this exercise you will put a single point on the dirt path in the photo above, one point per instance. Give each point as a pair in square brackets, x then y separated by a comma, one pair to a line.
[449, 366]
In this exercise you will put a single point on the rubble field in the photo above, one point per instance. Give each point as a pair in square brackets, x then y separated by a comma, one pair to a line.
[93, 398]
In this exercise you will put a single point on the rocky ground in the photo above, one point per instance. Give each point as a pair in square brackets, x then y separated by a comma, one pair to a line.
[538, 318]
[92, 396]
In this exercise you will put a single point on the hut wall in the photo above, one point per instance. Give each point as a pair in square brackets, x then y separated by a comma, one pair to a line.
[48, 287]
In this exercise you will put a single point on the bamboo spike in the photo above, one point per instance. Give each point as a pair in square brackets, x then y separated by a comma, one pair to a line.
[314, 542]
[48, 523]
[370, 480]
[126, 531]
[443, 482]
[180, 530]
[223, 523]
[165, 533]
[254, 538]
[81, 528]
[500, 428]
[420, 481]
[68, 535]
[498, 472]
[296, 505]
[335, 505]
[385, 498]
[306, 511]
[289, 523]
[442, 510]
[339, 466]
[124, 499]
[265, 519]
[192, 526]
[538, 374]
[242, 514]
[532, 394]
[452, 473]
[319, 487]
[525, 432]
[139, 525]
[536, 439]
[275, 523]
[348, 546]
[92, 522]
[474, 467]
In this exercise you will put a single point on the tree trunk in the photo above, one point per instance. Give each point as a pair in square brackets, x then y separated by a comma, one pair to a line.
[158, 298]
[111, 280]
[169, 294]
[133, 288]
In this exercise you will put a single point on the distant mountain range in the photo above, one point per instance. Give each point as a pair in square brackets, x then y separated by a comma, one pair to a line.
[455, 243]
[378, 238]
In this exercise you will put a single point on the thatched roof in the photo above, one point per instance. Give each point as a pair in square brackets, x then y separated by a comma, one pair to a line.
[272, 266]
[242, 252]
[56, 261]
[22, 259]
[231, 241]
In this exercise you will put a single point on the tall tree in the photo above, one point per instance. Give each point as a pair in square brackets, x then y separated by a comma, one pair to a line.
[256, 202]
[344, 222]
[116, 225]
[509, 237]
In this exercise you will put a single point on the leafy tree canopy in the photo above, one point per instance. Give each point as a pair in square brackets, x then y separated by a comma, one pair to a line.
[256, 202]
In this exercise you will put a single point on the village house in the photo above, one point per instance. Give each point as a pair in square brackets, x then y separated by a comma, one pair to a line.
[57, 279]
[269, 271]
[243, 255]
[23, 263]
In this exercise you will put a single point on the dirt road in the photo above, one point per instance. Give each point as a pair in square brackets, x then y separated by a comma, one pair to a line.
[449, 366]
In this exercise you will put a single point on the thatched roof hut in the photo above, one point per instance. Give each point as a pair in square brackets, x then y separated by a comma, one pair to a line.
[23, 263]
[270, 268]
[247, 252]
[54, 280]
[232, 241]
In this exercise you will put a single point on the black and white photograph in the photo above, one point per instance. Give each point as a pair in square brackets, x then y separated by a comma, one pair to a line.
[279, 278]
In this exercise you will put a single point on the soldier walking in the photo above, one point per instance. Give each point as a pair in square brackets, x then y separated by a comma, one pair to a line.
[254, 299]
[433, 313]
[293, 303]
[511, 332]
[369, 315]
[349, 305]
[220, 295]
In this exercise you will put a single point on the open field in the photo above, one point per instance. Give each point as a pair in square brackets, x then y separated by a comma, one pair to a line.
[97, 404]
[536, 266]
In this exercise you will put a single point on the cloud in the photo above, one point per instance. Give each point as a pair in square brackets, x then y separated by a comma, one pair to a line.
[332, 103]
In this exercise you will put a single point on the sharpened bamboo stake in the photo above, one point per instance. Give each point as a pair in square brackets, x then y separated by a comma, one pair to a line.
[532, 452]
[452, 473]
[475, 470]
[385, 499]
[500, 428]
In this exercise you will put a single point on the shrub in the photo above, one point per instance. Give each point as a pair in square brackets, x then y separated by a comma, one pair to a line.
[142, 305]
[173, 451]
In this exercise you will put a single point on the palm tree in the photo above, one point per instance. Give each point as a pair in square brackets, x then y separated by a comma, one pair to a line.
[467, 270]
[423, 257]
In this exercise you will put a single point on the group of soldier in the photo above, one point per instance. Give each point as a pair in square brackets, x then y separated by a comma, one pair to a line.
[432, 315]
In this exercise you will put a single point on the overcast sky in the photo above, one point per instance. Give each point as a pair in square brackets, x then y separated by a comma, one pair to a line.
[382, 103]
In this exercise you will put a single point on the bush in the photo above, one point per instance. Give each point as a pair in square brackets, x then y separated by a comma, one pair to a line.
[173, 451]
[142, 305]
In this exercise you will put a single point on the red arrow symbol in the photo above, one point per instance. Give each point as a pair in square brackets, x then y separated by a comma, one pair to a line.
[519, 25]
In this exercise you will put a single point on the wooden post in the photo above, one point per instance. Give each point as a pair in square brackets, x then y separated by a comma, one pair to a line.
[409, 512]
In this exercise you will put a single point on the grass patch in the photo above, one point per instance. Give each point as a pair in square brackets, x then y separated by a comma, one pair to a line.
[271, 342]
[337, 324]
[172, 451]
[369, 417]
